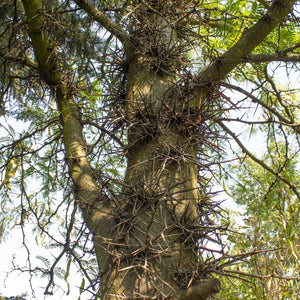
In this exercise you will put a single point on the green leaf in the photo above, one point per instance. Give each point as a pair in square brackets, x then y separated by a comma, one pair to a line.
[67, 274]
[290, 231]
[11, 170]
[81, 288]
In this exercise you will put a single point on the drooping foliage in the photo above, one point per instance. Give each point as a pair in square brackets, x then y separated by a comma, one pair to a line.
[166, 89]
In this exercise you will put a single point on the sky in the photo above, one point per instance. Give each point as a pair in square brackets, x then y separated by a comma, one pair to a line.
[16, 283]
[12, 251]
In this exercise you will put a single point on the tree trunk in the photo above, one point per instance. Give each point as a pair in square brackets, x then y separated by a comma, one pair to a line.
[145, 240]
[157, 206]
[154, 244]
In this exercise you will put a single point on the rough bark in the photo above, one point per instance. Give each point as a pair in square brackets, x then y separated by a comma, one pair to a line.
[146, 240]
[160, 194]
[202, 291]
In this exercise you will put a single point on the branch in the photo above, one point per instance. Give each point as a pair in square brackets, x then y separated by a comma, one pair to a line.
[254, 158]
[280, 56]
[103, 129]
[106, 22]
[290, 49]
[218, 69]
[262, 276]
[39, 37]
[264, 3]
[23, 61]
[278, 95]
[63, 252]
[86, 189]
[30, 135]
[258, 101]
[202, 291]
[282, 120]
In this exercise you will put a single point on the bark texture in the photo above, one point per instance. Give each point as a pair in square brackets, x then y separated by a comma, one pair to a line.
[146, 240]
[160, 194]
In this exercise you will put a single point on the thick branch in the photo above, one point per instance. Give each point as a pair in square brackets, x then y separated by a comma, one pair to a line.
[248, 41]
[106, 22]
[203, 291]
[86, 188]
[39, 37]
[260, 58]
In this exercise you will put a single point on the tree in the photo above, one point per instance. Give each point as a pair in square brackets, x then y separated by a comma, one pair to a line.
[269, 226]
[127, 113]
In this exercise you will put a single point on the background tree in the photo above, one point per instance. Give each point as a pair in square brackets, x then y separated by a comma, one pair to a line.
[125, 112]
[270, 227]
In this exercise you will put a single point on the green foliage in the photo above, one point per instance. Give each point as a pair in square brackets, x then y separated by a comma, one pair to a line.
[270, 225]
[35, 187]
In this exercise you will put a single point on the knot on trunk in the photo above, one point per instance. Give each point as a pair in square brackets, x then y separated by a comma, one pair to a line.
[202, 291]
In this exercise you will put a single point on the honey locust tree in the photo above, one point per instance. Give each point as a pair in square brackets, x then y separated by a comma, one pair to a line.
[125, 119]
